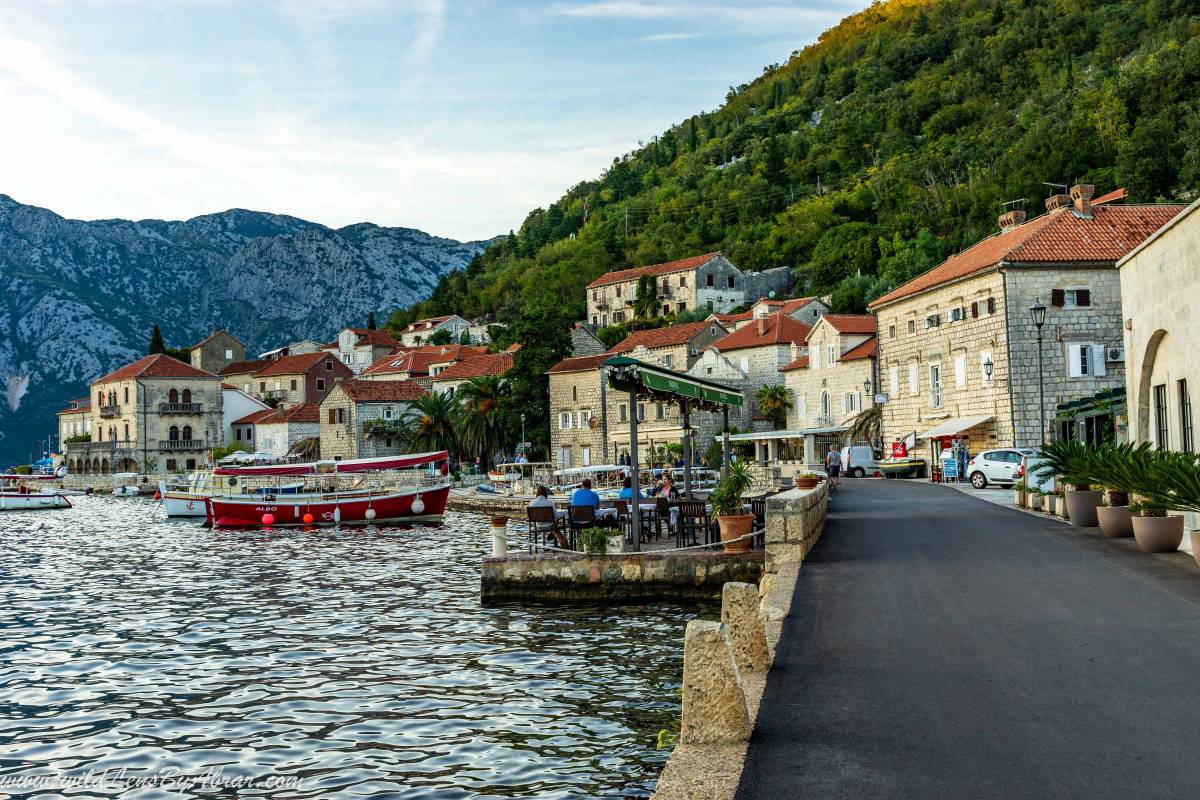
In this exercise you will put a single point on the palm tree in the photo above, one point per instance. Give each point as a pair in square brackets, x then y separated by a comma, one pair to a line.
[430, 423]
[867, 426]
[480, 419]
[774, 401]
[645, 298]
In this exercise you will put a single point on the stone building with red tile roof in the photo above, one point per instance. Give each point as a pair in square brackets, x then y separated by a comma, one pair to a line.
[835, 381]
[75, 421]
[363, 419]
[359, 348]
[281, 429]
[958, 350]
[153, 416]
[419, 332]
[302, 378]
[704, 281]
[421, 364]
[476, 366]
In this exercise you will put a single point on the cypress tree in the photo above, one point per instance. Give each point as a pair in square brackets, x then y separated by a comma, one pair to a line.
[156, 341]
[370, 320]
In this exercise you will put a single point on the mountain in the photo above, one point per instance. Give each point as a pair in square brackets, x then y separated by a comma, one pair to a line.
[78, 298]
[865, 159]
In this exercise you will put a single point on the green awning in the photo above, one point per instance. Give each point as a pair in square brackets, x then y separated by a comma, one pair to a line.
[659, 383]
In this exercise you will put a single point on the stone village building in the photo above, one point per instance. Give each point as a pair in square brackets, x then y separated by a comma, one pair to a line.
[587, 424]
[359, 348]
[802, 309]
[419, 332]
[706, 281]
[277, 432]
[296, 379]
[362, 419]
[154, 416]
[477, 366]
[75, 421]
[1160, 284]
[421, 364]
[958, 350]
[217, 351]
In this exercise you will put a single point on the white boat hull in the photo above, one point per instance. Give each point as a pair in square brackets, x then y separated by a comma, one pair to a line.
[14, 501]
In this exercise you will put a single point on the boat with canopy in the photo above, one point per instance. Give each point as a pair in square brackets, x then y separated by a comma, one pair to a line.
[409, 488]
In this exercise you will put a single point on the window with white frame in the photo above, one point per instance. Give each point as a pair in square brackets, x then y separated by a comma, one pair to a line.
[584, 418]
[814, 359]
[830, 354]
[850, 402]
[745, 365]
[387, 412]
[228, 353]
[894, 381]
[668, 361]
[801, 408]
[564, 420]
[623, 412]
[935, 385]
[960, 372]
[585, 456]
[1085, 360]
[914, 378]
[1077, 298]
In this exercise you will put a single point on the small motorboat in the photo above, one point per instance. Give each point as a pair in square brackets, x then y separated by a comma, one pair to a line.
[189, 499]
[23, 498]
[412, 488]
[126, 491]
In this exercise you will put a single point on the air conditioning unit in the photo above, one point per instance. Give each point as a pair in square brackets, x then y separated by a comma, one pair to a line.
[1114, 354]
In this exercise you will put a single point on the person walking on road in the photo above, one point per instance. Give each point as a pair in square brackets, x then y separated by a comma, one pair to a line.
[833, 467]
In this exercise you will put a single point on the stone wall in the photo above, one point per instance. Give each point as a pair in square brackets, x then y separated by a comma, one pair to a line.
[217, 352]
[618, 578]
[795, 521]
[573, 393]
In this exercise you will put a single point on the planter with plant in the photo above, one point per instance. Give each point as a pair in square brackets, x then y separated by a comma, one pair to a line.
[1173, 485]
[1019, 493]
[1033, 498]
[1072, 463]
[600, 541]
[729, 510]
[1121, 470]
[807, 480]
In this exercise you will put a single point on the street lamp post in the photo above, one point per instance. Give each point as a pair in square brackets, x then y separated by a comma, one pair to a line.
[988, 366]
[522, 434]
[1038, 312]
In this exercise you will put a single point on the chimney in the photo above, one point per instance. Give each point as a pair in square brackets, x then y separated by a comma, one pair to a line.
[1056, 201]
[762, 324]
[1011, 219]
[1081, 197]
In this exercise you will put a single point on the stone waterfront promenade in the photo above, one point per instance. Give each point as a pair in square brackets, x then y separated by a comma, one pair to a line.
[942, 647]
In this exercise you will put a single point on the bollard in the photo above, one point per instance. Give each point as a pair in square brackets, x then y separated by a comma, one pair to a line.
[741, 615]
[499, 536]
[714, 705]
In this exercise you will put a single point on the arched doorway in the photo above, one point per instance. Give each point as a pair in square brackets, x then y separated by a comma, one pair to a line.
[187, 395]
[127, 465]
[1145, 381]
[104, 466]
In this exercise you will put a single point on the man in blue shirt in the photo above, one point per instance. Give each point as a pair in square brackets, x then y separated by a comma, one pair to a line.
[627, 491]
[584, 496]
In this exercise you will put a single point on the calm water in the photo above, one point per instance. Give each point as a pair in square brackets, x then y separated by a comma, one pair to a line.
[358, 661]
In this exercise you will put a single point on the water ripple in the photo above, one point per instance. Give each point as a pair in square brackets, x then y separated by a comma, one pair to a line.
[358, 661]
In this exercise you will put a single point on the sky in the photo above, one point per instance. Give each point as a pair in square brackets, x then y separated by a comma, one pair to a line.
[457, 118]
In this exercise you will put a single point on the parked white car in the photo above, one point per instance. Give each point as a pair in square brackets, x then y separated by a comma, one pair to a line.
[858, 461]
[996, 466]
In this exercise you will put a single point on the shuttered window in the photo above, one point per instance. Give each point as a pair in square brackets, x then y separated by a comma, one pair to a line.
[1058, 297]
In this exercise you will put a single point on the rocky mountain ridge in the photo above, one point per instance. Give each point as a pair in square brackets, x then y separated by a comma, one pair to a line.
[78, 298]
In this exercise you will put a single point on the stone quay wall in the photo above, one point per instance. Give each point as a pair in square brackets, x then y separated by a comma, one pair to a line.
[686, 575]
[795, 520]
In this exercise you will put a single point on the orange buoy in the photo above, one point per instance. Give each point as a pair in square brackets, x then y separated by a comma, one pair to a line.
[157, 494]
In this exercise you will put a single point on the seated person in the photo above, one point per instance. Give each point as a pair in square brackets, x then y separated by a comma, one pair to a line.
[584, 496]
[542, 500]
[667, 489]
[627, 490]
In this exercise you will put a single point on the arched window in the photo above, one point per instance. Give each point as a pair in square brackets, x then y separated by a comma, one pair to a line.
[825, 404]
[173, 396]
[187, 395]
[187, 433]
[173, 434]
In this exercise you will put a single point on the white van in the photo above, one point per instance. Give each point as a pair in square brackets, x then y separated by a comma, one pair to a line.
[858, 461]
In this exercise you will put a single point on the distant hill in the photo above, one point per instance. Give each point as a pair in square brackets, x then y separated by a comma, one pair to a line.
[78, 298]
[876, 152]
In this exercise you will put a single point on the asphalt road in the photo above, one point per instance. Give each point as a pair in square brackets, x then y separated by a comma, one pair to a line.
[940, 646]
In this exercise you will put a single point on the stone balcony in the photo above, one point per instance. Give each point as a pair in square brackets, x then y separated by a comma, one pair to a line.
[110, 411]
[181, 444]
[180, 408]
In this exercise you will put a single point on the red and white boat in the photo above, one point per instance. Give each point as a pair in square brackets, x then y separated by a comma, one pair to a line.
[16, 493]
[364, 491]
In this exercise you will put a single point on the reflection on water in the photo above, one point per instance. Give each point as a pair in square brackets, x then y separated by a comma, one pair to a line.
[359, 661]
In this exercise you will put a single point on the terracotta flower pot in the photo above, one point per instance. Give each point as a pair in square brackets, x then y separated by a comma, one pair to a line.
[1158, 534]
[731, 528]
[499, 521]
[1195, 536]
[1115, 521]
[806, 482]
[1081, 507]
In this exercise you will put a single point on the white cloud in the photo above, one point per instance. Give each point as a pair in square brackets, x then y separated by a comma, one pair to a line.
[669, 37]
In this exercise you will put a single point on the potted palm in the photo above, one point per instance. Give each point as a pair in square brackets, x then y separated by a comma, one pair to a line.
[1173, 485]
[1121, 469]
[729, 510]
[1072, 462]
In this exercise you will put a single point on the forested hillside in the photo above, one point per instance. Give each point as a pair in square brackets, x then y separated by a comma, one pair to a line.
[871, 155]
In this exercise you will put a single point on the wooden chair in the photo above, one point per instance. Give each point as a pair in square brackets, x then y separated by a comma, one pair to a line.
[693, 524]
[581, 517]
[624, 518]
[545, 523]
[662, 513]
[758, 507]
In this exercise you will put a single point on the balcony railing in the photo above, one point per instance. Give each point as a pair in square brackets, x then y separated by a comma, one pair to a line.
[110, 411]
[935, 398]
[382, 427]
[825, 421]
[179, 408]
[275, 394]
[181, 444]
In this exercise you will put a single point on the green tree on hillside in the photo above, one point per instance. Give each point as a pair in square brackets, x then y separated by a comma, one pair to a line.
[645, 299]
[440, 336]
[482, 420]
[370, 320]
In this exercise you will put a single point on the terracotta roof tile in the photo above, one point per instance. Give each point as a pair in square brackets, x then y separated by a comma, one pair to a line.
[865, 350]
[244, 367]
[1055, 237]
[254, 417]
[374, 337]
[477, 366]
[654, 269]
[382, 391]
[214, 335]
[158, 365]
[799, 363]
[301, 412]
[416, 360]
[779, 329]
[852, 323]
[670, 336]
[298, 364]
[579, 363]
[79, 406]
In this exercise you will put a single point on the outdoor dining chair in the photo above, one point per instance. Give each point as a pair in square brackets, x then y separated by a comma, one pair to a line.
[693, 524]
[545, 524]
[758, 507]
[581, 517]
